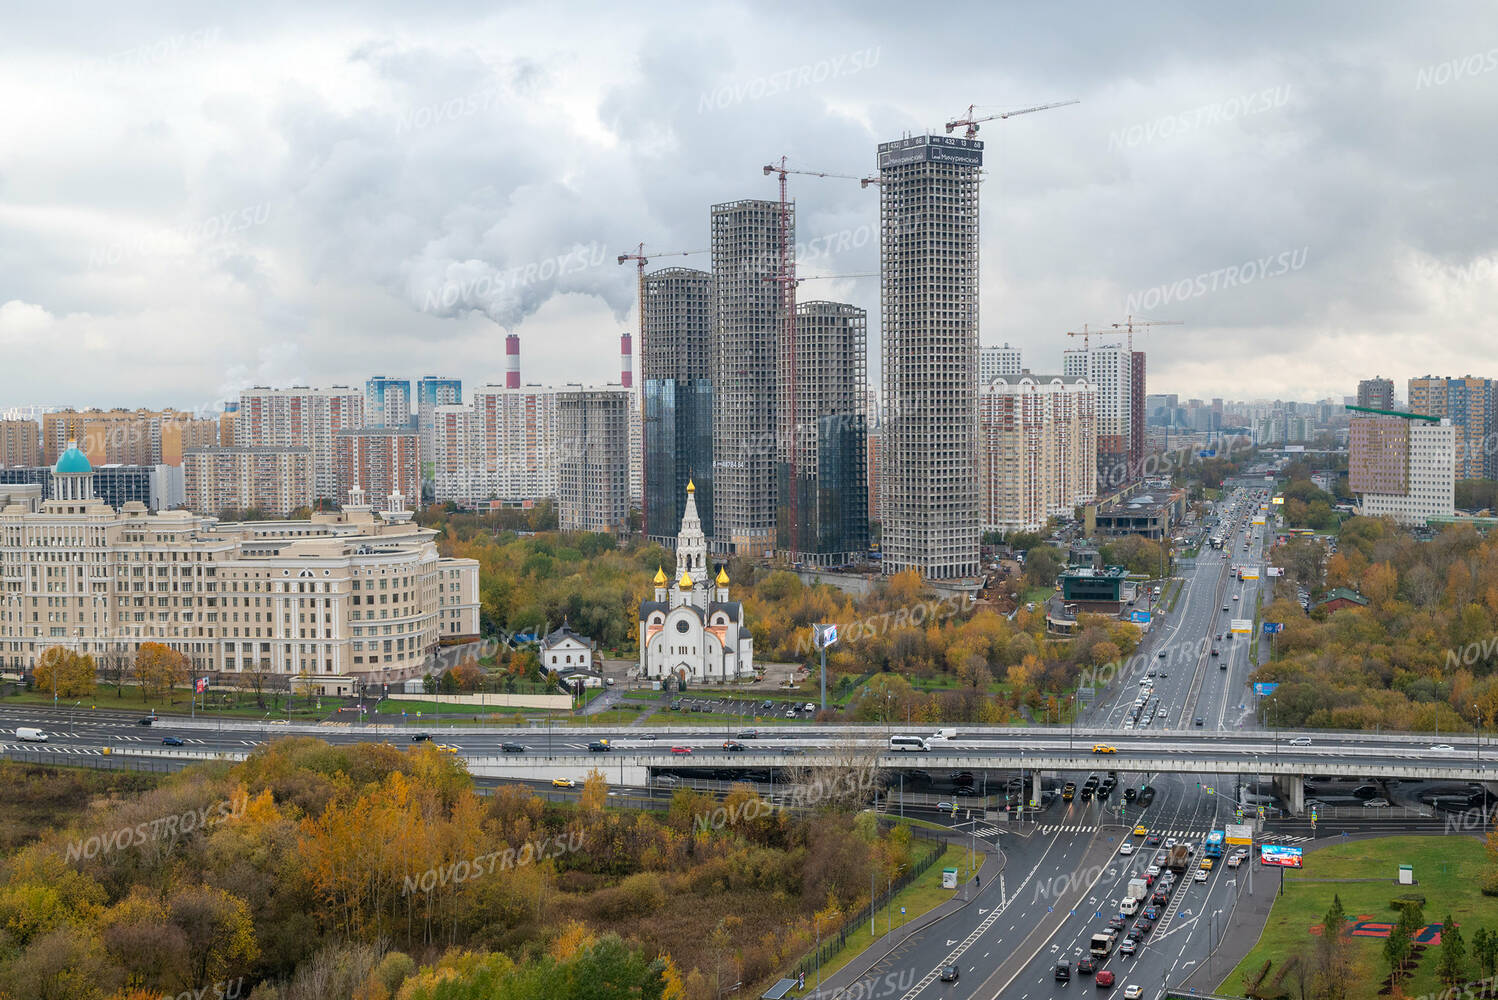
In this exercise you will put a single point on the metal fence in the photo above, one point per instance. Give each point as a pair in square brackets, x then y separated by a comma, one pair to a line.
[832, 945]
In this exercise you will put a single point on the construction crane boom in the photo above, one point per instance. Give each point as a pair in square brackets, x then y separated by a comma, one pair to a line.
[1086, 334]
[641, 258]
[1130, 323]
[973, 123]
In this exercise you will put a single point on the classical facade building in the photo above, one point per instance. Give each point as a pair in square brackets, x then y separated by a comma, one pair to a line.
[691, 631]
[335, 601]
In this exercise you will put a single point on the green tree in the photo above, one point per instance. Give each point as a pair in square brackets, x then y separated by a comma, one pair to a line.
[1333, 970]
[1397, 949]
[1451, 965]
[1485, 949]
[1041, 566]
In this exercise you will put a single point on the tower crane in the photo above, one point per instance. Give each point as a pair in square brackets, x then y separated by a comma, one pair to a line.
[1086, 335]
[973, 123]
[785, 277]
[1130, 323]
[641, 258]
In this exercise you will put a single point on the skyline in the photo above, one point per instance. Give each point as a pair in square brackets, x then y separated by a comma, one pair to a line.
[187, 216]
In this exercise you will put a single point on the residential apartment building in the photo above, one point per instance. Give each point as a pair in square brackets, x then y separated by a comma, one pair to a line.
[388, 403]
[1471, 404]
[383, 461]
[1376, 393]
[301, 417]
[1403, 465]
[928, 448]
[748, 370]
[512, 445]
[676, 358]
[593, 453]
[330, 603]
[996, 360]
[1118, 376]
[433, 391]
[276, 481]
[825, 521]
[20, 443]
[1038, 458]
[127, 437]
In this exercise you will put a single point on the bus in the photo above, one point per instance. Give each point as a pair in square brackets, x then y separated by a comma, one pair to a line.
[907, 743]
[1213, 847]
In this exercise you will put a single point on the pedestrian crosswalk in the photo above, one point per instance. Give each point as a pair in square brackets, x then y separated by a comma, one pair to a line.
[1179, 834]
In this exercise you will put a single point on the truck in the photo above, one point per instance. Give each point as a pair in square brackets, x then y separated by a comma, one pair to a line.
[1213, 846]
[1138, 889]
[1180, 858]
[1102, 945]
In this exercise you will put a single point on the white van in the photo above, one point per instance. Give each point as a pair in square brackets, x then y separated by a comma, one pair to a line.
[31, 735]
[943, 734]
[1128, 907]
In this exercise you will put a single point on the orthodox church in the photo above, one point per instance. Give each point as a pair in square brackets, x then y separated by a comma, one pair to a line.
[691, 631]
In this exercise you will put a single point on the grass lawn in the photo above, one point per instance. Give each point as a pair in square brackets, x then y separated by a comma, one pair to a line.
[922, 895]
[1448, 869]
[1038, 595]
[242, 705]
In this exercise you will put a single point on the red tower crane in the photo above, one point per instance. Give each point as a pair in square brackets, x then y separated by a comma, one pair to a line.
[973, 123]
[641, 258]
[786, 278]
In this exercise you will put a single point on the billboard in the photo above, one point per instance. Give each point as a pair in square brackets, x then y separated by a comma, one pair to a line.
[1262, 688]
[1241, 626]
[1139, 616]
[1284, 857]
[1278, 500]
[1240, 833]
[932, 148]
[1270, 628]
[1258, 522]
[1276, 571]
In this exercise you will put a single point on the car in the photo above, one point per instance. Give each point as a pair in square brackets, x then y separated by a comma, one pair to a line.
[1126, 848]
[1153, 840]
[1233, 862]
[1117, 923]
[1235, 597]
[681, 750]
[1133, 991]
[1063, 971]
[1219, 636]
[146, 721]
[1443, 747]
[1103, 748]
[599, 746]
[1146, 795]
[1153, 871]
[420, 737]
[1134, 934]
[1206, 865]
[445, 748]
[809, 707]
[1140, 831]
[647, 736]
[1162, 713]
[766, 705]
[1150, 913]
[1128, 947]
[733, 747]
[1105, 979]
[1144, 925]
[563, 783]
[748, 734]
[949, 973]
[1160, 898]
[1376, 804]
[1198, 720]
[1201, 876]
[1161, 654]
[1164, 673]
[1214, 651]
[1086, 965]
[944, 807]
[1225, 607]
[1169, 843]
[1160, 858]
[280, 722]
[171, 741]
[511, 748]
[1129, 795]
[1301, 741]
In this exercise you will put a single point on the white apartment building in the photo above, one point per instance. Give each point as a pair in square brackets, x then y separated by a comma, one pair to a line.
[501, 447]
[1038, 449]
[333, 602]
[995, 360]
[1109, 368]
[300, 417]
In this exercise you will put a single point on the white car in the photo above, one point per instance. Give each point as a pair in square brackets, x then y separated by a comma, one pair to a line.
[1133, 991]
[1126, 849]
[1200, 876]
[1443, 747]
[1152, 871]
[1169, 843]
[1301, 741]
[1376, 803]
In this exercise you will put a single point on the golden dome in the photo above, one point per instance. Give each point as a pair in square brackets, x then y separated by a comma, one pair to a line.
[722, 577]
[660, 577]
[691, 486]
[686, 581]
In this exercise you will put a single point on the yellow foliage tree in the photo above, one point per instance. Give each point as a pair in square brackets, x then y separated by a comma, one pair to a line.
[74, 674]
[159, 668]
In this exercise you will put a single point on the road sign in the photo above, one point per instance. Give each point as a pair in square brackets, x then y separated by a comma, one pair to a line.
[1241, 626]
[1271, 628]
[1238, 833]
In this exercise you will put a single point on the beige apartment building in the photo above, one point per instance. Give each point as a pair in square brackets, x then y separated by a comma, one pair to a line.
[126, 437]
[331, 603]
[20, 443]
[273, 480]
[1038, 449]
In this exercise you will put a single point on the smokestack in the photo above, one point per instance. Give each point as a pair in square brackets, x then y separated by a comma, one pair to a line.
[626, 360]
[512, 361]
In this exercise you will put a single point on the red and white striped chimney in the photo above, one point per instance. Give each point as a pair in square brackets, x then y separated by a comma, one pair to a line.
[512, 361]
[626, 360]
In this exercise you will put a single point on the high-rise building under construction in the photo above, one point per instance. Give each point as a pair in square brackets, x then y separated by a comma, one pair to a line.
[676, 374]
[749, 320]
[928, 448]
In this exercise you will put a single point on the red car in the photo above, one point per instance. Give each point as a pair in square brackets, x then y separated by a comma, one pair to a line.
[681, 749]
[1105, 978]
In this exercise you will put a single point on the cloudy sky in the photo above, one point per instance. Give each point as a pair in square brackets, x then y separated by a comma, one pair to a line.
[202, 196]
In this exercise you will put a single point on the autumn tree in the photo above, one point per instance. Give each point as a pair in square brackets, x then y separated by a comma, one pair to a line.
[216, 930]
[68, 673]
[158, 669]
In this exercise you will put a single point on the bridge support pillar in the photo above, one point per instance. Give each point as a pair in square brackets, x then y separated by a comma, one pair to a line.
[1292, 791]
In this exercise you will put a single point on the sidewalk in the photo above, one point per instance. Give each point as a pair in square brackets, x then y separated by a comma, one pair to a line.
[1244, 927]
[988, 876]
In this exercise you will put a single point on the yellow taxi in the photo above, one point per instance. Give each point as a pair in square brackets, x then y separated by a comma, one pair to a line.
[1206, 864]
[1103, 748]
[1141, 831]
[563, 783]
[445, 748]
